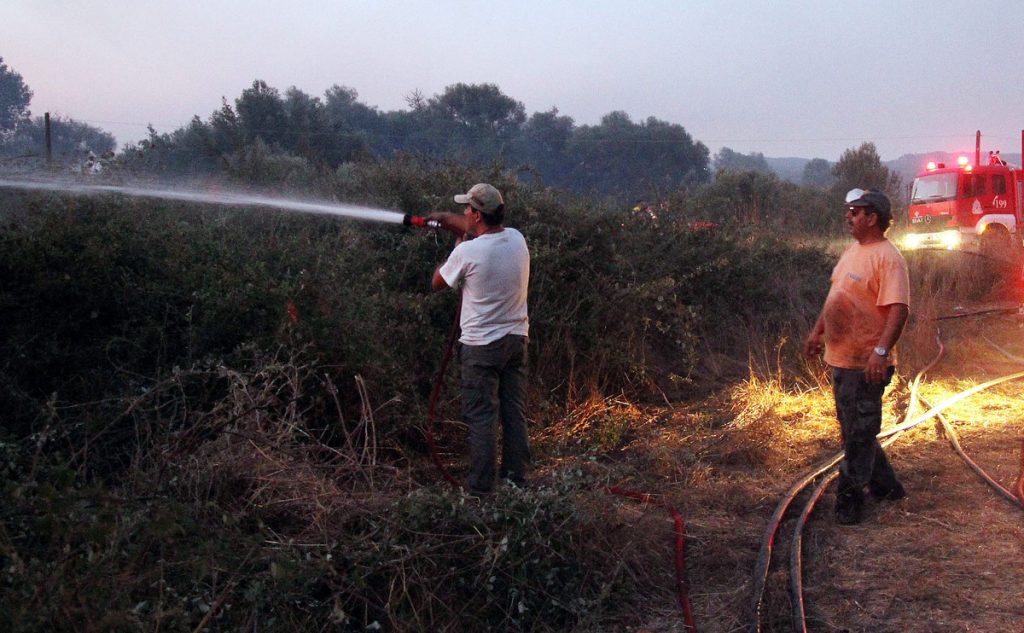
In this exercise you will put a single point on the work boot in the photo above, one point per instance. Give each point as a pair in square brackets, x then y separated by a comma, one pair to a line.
[895, 493]
[849, 506]
[849, 514]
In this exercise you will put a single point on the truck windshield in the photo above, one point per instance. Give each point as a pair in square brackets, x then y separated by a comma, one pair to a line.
[934, 188]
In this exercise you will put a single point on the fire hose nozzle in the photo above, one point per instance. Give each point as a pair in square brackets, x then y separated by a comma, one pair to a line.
[423, 223]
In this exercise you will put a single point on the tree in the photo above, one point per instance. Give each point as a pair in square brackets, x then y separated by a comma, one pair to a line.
[307, 126]
[355, 128]
[475, 123]
[620, 156]
[817, 173]
[225, 129]
[70, 140]
[542, 144]
[262, 115]
[14, 98]
[727, 159]
[862, 168]
[482, 108]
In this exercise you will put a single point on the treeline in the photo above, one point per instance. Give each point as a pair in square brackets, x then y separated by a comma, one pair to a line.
[266, 138]
[71, 141]
[24, 137]
[475, 125]
[314, 144]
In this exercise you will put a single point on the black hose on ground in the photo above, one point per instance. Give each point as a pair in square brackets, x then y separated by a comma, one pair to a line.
[796, 584]
[796, 587]
[767, 540]
[954, 441]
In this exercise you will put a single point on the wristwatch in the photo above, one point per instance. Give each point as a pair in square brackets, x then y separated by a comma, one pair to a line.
[881, 351]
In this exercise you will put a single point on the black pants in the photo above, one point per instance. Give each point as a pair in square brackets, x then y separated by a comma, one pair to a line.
[493, 389]
[859, 409]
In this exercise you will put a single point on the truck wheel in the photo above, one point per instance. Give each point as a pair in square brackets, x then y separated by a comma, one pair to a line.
[997, 243]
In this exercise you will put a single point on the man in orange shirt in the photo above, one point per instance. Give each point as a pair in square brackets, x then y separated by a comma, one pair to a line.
[863, 317]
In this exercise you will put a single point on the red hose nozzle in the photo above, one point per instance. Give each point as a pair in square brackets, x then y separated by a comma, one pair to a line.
[423, 223]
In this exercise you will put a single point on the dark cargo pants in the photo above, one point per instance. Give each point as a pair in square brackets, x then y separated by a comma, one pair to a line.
[859, 409]
[493, 389]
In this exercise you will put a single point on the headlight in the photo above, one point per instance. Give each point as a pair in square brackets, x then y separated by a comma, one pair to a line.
[950, 239]
[912, 241]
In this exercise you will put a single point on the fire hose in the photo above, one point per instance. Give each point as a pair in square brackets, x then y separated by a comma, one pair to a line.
[796, 589]
[679, 531]
[435, 393]
[795, 562]
[761, 568]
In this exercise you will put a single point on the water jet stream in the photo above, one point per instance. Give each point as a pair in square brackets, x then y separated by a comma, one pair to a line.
[218, 198]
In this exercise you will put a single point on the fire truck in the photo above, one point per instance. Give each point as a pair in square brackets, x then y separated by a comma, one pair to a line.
[970, 207]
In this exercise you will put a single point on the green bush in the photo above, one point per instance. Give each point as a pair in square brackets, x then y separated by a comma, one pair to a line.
[107, 294]
[260, 507]
[193, 393]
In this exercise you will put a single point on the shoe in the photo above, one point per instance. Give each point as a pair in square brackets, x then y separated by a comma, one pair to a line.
[848, 514]
[895, 493]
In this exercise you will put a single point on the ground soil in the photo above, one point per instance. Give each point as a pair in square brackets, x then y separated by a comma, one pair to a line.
[946, 558]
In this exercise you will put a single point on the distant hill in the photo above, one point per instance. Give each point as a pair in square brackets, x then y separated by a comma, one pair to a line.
[907, 166]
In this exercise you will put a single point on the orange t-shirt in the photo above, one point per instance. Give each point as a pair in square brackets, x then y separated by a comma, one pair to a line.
[865, 282]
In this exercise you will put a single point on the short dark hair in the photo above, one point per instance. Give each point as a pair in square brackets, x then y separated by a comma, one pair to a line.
[884, 220]
[494, 218]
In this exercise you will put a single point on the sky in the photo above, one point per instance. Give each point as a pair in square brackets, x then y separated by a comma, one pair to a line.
[786, 78]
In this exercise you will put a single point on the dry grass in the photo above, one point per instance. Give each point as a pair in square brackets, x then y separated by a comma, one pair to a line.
[260, 454]
[944, 559]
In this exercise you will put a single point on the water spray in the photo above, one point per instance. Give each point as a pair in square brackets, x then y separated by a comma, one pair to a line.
[223, 198]
[227, 198]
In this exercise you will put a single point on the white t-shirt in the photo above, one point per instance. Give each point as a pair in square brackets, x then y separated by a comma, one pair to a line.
[496, 270]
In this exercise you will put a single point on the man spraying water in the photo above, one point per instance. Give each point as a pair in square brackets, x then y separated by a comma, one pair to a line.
[492, 262]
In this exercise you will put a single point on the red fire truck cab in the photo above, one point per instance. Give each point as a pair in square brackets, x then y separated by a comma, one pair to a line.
[967, 207]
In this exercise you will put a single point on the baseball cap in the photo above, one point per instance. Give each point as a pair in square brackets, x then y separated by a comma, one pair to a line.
[871, 198]
[482, 197]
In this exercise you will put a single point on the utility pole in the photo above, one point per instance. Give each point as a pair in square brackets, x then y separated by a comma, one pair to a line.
[49, 143]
